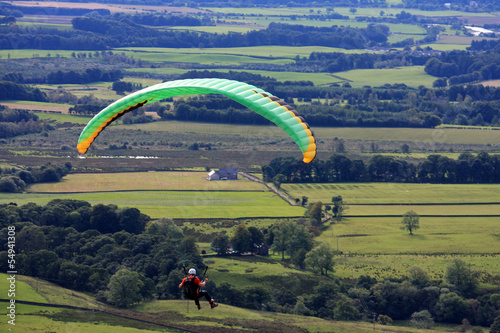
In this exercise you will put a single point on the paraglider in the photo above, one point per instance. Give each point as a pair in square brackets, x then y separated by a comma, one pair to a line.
[192, 285]
[264, 103]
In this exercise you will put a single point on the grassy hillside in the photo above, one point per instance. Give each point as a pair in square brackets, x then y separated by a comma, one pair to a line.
[154, 316]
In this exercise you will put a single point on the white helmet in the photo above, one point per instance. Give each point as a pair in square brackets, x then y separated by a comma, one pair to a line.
[192, 271]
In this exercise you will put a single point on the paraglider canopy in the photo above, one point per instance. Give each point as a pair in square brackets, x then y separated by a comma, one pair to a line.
[262, 102]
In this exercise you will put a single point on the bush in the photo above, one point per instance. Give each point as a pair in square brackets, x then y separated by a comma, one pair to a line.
[384, 320]
[422, 320]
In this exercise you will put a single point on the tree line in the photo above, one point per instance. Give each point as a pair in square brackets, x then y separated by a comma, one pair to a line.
[99, 34]
[20, 122]
[15, 180]
[96, 248]
[463, 67]
[466, 169]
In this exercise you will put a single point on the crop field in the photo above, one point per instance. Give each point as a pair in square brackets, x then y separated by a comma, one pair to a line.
[397, 193]
[424, 135]
[144, 181]
[36, 106]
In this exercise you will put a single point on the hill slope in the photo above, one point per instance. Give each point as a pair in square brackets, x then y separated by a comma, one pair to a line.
[42, 306]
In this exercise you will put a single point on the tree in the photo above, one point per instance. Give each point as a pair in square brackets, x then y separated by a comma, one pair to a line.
[314, 212]
[242, 239]
[31, 238]
[321, 257]
[131, 220]
[221, 243]
[166, 228]
[410, 221]
[495, 328]
[451, 308]
[418, 276]
[124, 288]
[281, 235]
[422, 320]
[104, 218]
[278, 180]
[459, 274]
[345, 309]
[338, 208]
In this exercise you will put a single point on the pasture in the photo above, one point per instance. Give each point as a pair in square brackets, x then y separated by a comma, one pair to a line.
[241, 319]
[437, 235]
[381, 266]
[413, 76]
[144, 181]
[178, 204]
[422, 136]
[39, 318]
[397, 193]
[275, 51]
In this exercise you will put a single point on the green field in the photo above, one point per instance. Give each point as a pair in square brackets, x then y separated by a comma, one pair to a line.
[437, 235]
[384, 193]
[64, 118]
[413, 76]
[423, 135]
[178, 204]
[382, 266]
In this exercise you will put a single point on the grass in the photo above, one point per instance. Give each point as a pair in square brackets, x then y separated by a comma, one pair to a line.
[242, 320]
[382, 266]
[64, 118]
[158, 181]
[437, 235]
[174, 204]
[423, 135]
[252, 51]
[33, 53]
[413, 76]
[440, 210]
[24, 291]
[402, 193]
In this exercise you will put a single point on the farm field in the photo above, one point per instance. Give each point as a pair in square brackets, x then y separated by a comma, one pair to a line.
[424, 210]
[397, 193]
[276, 51]
[437, 235]
[456, 221]
[145, 181]
[413, 76]
[381, 266]
[424, 135]
[63, 118]
[178, 204]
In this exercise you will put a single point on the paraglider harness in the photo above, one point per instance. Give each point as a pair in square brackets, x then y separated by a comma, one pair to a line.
[190, 287]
